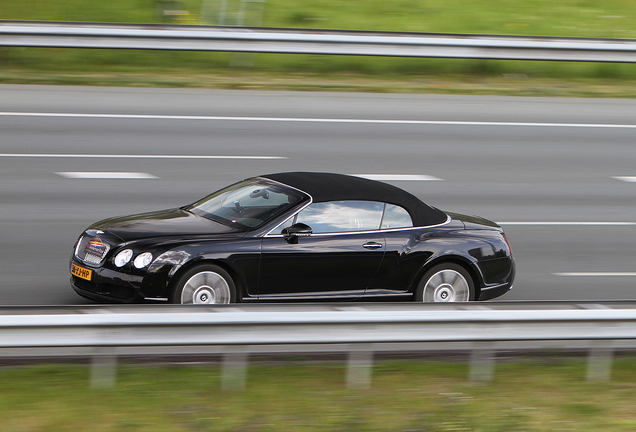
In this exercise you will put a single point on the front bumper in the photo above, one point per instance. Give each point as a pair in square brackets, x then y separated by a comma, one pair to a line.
[99, 296]
[108, 285]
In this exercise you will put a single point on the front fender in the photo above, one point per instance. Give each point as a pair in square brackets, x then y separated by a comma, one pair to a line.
[241, 258]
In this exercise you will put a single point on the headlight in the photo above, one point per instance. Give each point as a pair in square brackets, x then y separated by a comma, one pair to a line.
[123, 257]
[143, 260]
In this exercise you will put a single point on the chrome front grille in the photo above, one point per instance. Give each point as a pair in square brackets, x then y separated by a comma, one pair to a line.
[91, 250]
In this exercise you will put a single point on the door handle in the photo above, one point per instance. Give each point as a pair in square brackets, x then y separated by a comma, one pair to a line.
[372, 245]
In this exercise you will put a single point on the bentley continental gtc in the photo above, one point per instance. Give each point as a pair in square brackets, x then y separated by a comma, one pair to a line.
[292, 237]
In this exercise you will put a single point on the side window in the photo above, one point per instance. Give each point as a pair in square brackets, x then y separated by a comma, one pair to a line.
[396, 217]
[342, 216]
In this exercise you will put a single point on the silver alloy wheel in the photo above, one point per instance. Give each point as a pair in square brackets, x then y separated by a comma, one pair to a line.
[206, 288]
[446, 286]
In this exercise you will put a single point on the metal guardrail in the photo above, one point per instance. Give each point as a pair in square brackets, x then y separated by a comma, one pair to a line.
[359, 330]
[304, 41]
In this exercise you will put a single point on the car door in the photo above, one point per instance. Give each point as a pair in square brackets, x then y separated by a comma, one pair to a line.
[339, 259]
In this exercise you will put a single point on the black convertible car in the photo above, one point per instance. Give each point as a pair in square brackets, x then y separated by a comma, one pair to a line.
[294, 236]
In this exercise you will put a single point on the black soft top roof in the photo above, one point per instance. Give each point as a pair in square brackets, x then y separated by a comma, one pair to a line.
[339, 187]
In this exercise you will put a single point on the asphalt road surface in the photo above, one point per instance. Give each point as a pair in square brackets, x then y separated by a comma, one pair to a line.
[557, 174]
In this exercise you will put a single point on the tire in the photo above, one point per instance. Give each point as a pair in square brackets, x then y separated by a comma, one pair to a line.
[446, 282]
[204, 284]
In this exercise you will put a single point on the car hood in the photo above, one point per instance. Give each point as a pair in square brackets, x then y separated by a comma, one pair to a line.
[474, 222]
[172, 222]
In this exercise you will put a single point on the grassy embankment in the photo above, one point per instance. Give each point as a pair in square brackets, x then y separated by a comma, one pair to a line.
[616, 19]
[544, 395]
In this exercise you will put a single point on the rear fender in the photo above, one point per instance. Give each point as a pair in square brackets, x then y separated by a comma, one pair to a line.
[470, 266]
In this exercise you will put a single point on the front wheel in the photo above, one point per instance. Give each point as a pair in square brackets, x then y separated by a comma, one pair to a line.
[446, 283]
[204, 284]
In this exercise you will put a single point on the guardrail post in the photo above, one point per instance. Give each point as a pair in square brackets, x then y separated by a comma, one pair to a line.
[234, 371]
[482, 364]
[103, 368]
[359, 367]
[599, 361]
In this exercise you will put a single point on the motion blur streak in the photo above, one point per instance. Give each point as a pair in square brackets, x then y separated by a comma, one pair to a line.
[131, 156]
[324, 120]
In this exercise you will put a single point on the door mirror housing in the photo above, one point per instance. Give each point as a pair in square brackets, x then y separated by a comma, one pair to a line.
[291, 234]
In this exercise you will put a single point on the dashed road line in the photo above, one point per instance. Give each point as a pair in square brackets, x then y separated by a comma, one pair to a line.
[398, 177]
[628, 179]
[105, 175]
[597, 274]
[131, 156]
[565, 223]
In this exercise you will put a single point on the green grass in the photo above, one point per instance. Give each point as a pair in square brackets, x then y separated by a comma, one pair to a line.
[580, 18]
[405, 396]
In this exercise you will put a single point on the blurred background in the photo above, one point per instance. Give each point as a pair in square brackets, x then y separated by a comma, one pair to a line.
[591, 19]
[543, 148]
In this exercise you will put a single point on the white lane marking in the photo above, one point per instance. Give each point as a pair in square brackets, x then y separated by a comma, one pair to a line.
[398, 177]
[629, 179]
[105, 175]
[597, 274]
[568, 223]
[130, 156]
[318, 120]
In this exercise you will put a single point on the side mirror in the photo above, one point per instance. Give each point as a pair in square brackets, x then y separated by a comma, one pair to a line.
[291, 234]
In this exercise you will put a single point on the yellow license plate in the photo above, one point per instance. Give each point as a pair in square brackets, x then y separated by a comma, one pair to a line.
[81, 272]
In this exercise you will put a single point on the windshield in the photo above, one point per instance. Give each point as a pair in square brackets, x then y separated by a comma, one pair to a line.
[247, 204]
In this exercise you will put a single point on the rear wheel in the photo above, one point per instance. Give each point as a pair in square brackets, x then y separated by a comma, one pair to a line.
[447, 282]
[204, 284]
